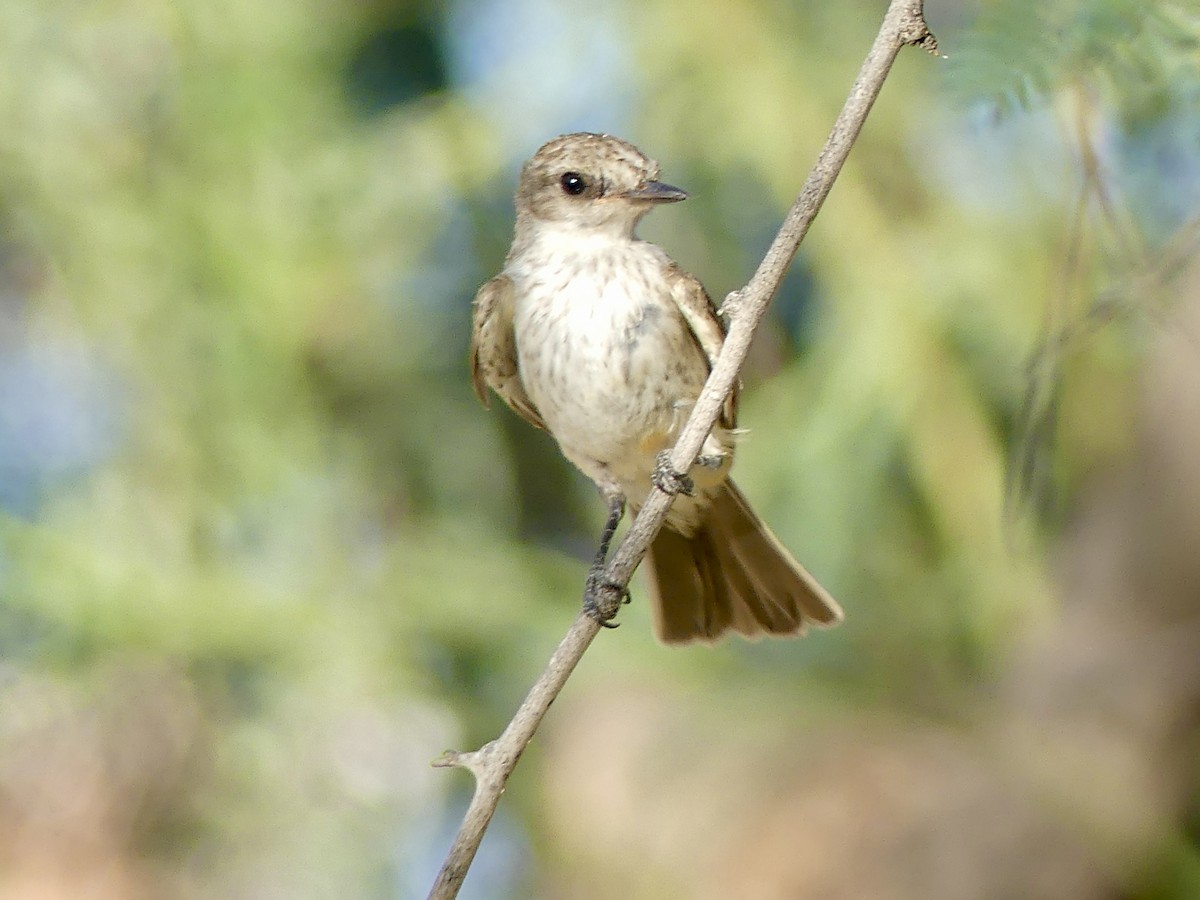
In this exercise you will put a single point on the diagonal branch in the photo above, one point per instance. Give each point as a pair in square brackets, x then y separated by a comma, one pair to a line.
[903, 24]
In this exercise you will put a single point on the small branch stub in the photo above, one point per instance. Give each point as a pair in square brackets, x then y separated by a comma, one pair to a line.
[917, 34]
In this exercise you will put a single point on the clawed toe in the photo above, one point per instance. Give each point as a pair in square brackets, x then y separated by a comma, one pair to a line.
[667, 480]
[602, 598]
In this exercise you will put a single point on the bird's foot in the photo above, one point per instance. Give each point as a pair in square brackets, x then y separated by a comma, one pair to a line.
[711, 460]
[602, 597]
[667, 480]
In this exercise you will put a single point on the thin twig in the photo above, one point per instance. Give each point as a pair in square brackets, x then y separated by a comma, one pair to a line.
[903, 24]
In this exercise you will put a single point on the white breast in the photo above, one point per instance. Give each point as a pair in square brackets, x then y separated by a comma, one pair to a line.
[604, 352]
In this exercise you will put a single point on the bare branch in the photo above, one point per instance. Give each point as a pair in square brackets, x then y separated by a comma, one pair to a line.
[903, 24]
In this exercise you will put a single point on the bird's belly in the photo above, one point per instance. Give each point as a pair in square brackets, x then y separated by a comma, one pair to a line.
[613, 382]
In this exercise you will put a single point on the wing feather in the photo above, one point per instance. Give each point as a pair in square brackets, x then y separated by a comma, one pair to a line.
[494, 349]
[706, 326]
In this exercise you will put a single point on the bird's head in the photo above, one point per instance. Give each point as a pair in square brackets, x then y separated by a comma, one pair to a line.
[593, 182]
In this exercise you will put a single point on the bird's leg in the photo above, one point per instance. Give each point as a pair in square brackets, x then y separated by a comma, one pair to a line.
[616, 509]
[667, 480]
[602, 597]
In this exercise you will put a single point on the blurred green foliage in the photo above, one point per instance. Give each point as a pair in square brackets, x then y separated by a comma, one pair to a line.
[238, 242]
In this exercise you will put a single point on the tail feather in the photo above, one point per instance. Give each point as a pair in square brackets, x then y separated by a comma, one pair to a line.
[733, 573]
[753, 608]
[676, 570]
[762, 553]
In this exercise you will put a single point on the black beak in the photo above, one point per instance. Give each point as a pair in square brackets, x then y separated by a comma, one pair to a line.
[656, 192]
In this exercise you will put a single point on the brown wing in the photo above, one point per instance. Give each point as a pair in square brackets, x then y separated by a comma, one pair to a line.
[494, 349]
[697, 308]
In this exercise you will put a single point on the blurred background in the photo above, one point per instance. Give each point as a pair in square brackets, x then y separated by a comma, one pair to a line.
[263, 555]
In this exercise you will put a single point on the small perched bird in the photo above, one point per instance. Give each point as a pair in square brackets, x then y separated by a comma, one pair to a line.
[599, 338]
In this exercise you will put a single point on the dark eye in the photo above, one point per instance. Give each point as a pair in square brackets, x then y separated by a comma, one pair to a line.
[573, 183]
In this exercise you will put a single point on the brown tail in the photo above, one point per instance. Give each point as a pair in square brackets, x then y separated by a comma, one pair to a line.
[733, 573]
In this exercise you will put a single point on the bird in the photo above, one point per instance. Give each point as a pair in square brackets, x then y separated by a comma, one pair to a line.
[601, 339]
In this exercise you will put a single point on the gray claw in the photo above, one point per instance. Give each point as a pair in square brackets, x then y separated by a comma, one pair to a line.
[602, 598]
[667, 480]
